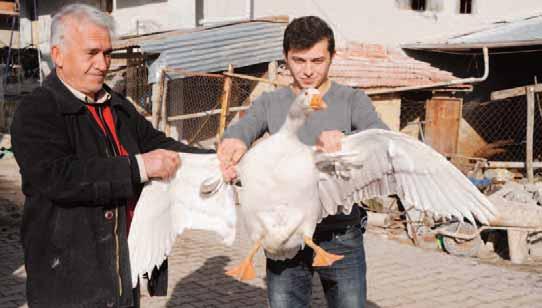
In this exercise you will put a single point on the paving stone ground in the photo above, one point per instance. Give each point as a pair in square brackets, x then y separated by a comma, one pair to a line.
[399, 275]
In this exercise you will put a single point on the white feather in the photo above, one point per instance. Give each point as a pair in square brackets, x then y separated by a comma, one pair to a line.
[166, 209]
[422, 177]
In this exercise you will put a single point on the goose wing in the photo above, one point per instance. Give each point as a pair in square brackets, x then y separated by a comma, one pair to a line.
[378, 162]
[166, 209]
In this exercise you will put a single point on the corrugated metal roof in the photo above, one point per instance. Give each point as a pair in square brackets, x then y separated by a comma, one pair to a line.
[521, 32]
[373, 66]
[214, 49]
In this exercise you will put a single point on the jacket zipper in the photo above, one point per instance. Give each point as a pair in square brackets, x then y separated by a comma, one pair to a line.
[112, 146]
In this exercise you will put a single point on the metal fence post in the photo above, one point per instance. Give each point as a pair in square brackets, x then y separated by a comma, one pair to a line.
[530, 134]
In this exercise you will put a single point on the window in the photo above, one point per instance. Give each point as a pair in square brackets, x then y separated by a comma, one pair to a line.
[106, 5]
[465, 7]
[417, 5]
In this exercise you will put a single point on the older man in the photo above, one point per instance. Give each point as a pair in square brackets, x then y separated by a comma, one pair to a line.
[84, 153]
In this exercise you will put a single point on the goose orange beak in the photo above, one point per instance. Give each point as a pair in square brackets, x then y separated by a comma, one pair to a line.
[317, 102]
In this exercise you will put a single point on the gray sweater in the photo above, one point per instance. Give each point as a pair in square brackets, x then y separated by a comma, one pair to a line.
[348, 110]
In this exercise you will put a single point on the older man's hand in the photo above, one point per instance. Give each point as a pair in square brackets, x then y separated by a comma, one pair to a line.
[161, 164]
[229, 153]
[329, 141]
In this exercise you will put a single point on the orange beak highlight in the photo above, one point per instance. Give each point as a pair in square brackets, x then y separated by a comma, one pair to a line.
[317, 102]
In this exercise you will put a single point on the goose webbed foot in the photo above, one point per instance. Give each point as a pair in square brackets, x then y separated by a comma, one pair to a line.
[245, 270]
[321, 257]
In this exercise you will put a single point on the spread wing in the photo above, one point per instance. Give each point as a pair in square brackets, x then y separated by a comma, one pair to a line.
[378, 162]
[166, 209]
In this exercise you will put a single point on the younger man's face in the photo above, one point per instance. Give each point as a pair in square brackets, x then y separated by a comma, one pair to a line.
[309, 67]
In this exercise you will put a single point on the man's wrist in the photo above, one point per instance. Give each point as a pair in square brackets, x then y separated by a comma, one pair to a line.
[142, 171]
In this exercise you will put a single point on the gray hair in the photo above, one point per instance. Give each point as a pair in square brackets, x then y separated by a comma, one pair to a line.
[81, 12]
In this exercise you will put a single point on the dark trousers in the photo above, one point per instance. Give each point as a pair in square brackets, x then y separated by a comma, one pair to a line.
[289, 282]
[136, 293]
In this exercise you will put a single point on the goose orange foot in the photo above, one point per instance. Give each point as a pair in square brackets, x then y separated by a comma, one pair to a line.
[245, 270]
[322, 257]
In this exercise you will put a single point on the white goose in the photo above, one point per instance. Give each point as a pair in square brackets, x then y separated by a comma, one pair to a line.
[288, 187]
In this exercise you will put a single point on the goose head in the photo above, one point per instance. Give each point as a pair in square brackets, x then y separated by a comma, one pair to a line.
[305, 103]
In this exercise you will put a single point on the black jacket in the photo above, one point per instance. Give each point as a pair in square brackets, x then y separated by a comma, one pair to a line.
[74, 225]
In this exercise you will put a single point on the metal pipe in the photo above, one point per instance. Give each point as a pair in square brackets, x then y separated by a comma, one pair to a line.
[441, 84]
[8, 58]
[249, 9]
[36, 17]
[461, 236]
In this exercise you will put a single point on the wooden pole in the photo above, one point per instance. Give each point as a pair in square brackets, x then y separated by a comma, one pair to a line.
[272, 72]
[164, 123]
[248, 77]
[2, 110]
[511, 164]
[130, 74]
[519, 91]
[530, 134]
[205, 114]
[139, 109]
[517, 246]
[226, 93]
[156, 99]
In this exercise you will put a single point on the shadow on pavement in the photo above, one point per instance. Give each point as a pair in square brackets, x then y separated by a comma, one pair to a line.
[12, 284]
[371, 305]
[208, 286]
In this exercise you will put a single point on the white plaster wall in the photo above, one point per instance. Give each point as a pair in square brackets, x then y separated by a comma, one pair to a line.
[46, 10]
[384, 22]
[147, 16]
[508, 8]
[216, 10]
[380, 21]
[131, 17]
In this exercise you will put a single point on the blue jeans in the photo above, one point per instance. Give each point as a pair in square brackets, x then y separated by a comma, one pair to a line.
[289, 282]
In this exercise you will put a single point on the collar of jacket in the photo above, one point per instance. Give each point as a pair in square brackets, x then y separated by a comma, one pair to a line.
[69, 103]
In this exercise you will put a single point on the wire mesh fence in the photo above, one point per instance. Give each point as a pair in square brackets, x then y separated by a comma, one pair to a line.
[193, 110]
[193, 96]
[502, 126]
[194, 103]
[137, 86]
[499, 127]
[412, 118]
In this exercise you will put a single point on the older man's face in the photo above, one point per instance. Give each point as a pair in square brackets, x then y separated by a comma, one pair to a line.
[84, 58]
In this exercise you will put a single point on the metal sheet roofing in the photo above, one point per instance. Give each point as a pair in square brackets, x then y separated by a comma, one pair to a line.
[211, 50]
[373, 66]
[520, 32]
